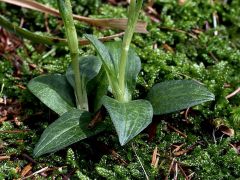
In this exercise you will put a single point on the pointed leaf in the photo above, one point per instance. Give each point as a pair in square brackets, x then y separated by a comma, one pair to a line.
[129, 118]
[89, 68]
[102, 51]
[54, 91]
[175, 95]
[71, 127]
[108, 63]
[133, 65]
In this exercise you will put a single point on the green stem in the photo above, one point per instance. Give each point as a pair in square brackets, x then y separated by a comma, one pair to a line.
[134, 10]
[65, 9]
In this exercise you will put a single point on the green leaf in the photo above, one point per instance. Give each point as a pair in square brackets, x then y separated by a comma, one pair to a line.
[129, 118]
[133, 65]
[175, 95]
[102, 51]
[108, 63]
[97, 88]
[54, 91]
[71, 127]
[89, 68]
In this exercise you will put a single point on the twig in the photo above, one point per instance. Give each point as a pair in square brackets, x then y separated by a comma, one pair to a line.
[176, 130]
[14, 131]
[183, 173]
[233, 93]
[155, 158]
[214, 137]
[184, 151]
[186, 116]
[98, 117]
[176, 171]
[2, 158]
[170, 168]
[134, 150]
[29, 158]
[37, 172]
[190, 175]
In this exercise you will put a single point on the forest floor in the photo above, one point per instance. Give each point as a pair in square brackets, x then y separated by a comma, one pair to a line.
[186, 40]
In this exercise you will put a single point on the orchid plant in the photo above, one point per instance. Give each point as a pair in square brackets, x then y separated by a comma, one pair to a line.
[115, 69]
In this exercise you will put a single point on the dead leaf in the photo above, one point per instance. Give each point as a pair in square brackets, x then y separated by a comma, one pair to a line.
[26, 170]
[104, 23]
[226, 130]
[155, 158]
[236, 147]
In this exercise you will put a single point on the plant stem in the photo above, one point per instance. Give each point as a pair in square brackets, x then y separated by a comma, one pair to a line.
[133, 13]
[65, 9]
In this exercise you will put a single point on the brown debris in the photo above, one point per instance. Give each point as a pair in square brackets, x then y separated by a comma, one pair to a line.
[2, 158]
[168, 48]
[185, 151]
[10, 109]
[181, 2]
[177, 147]
[170, 168]
[236, 147]
[98, 117]
[233, 93]
[177, 131]
[226, 130]
[155, 158]
[14, 131]
[26, 170]
[8, 42]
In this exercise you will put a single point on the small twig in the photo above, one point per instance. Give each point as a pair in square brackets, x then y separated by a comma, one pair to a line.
[2, 158]
[14, 131]
[176, 171]
[190, 175]
[214, 137]
[98, 117]
[170, 168]
[46, 22]
[233, 93]
[35, 173]
[177, 131]
[186, 116]
[178, 147]
[155, 158]
[29, 158]
[182, 171]
[134, 150]
[184, 151]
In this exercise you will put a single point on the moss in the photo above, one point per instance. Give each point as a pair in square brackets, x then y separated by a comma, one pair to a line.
[180, 46]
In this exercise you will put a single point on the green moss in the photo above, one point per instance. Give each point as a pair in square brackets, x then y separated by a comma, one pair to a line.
[171, 50]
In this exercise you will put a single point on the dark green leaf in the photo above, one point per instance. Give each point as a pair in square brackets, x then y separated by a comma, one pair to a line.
[97, 88]
[54, 91]
[89, 68]
[71, 127]
[175, 95]
[129, 118]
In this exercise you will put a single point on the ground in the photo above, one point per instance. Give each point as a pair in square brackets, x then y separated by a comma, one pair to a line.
[186, 40]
